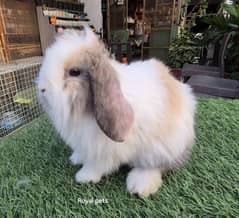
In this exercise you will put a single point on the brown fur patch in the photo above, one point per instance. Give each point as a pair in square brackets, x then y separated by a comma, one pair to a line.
[173, 104]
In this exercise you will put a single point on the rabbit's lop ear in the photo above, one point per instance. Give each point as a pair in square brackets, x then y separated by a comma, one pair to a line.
[113, 113]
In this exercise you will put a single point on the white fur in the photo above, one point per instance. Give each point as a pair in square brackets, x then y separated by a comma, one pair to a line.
[148, 146]
[144, 181]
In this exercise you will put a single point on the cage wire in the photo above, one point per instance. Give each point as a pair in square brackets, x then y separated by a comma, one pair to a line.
[18, 95]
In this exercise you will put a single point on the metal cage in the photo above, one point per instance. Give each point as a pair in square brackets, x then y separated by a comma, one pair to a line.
[18, 96]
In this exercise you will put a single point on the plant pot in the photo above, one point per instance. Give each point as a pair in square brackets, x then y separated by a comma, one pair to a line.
[176, 72]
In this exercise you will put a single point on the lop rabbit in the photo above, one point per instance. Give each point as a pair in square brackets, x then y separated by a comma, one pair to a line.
[112, 114]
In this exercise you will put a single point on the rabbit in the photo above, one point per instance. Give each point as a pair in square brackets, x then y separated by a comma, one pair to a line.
[113, 114]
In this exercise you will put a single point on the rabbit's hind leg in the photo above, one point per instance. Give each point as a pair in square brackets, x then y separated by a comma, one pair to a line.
[144, 181]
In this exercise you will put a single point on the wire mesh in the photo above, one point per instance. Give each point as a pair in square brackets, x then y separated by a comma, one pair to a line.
[18, 94]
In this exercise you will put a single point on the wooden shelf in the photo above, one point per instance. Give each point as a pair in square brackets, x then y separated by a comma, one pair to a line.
[161, 28]
[155, 47]
[61, 5]
[155, 11]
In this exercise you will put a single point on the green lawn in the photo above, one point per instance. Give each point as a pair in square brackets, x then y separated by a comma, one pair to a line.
[37, 179]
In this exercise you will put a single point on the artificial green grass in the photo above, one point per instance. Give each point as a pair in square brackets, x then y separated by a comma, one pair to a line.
[37, 179]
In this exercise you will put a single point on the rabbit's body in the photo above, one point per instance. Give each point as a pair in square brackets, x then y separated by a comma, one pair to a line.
[165, 115]
[160, 136]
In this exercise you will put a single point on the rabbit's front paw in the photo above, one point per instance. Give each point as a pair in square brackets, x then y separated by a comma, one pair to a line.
[144, 181]
[75, 159]
[87, 174]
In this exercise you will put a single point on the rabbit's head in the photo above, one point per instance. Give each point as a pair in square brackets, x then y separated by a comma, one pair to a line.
[77, 78]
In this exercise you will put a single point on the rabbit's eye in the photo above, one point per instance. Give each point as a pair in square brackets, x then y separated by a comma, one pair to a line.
[74, 72]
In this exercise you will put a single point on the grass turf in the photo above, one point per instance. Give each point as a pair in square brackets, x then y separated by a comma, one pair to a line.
[37, 179]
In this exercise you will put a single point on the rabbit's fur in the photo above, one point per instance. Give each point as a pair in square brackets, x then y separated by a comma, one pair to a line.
[114, 114]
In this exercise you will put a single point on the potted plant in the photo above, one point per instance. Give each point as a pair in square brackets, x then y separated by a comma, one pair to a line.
[183, 50]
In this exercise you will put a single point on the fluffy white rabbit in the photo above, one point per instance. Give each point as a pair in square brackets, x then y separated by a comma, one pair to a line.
[112, 114]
